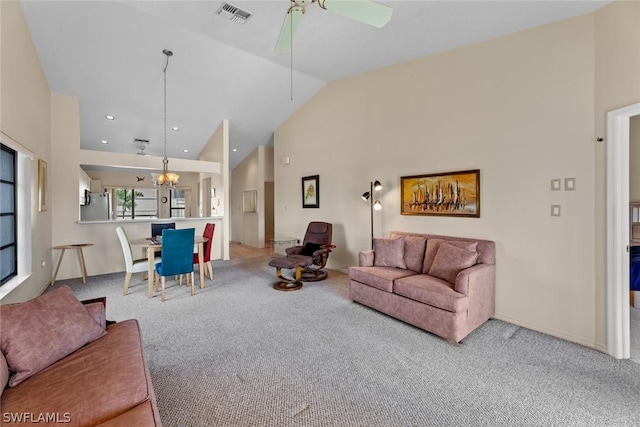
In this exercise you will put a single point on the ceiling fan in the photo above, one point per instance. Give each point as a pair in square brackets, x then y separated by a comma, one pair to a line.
[365, 11]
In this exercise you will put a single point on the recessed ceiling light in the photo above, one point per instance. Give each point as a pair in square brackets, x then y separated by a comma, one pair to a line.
[186, 151]
[175, 128]
[104, 142]
[109, 117]
[234, 150]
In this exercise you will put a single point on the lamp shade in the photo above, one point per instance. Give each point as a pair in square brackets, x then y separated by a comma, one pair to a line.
[377, 205]
[365, 196]
[377, 185]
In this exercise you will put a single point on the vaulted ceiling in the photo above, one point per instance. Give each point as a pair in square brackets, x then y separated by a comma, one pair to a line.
[108, 54]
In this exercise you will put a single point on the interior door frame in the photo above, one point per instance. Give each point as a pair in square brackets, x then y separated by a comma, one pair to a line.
[618, 322]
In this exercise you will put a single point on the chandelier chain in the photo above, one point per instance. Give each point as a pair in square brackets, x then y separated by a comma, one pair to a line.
[166, 178]
[165, 110]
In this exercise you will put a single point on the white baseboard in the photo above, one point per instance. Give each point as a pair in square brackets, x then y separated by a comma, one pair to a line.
[558, 334]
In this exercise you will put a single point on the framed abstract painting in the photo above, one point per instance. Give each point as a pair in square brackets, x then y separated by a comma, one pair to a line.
[441, 194]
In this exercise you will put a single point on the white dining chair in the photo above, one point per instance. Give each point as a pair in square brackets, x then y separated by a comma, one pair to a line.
[140, 265]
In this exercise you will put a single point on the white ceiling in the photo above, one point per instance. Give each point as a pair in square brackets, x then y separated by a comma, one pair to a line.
[109, 55]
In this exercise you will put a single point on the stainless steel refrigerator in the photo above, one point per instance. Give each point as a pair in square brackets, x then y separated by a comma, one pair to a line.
[97, 208]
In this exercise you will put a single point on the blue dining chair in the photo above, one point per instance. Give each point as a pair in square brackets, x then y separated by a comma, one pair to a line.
[177, 256]
[157, 227]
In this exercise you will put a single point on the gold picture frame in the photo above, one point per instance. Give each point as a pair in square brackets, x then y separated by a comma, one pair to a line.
[42, 185]
[441, 194]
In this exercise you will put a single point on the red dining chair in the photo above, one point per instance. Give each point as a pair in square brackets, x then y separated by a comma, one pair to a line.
[206, 255]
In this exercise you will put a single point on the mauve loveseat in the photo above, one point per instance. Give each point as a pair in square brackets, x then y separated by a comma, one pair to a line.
[442, 284]
[62, 365]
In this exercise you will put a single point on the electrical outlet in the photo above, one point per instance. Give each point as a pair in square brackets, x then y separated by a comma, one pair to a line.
[556, 184]
[555, 210]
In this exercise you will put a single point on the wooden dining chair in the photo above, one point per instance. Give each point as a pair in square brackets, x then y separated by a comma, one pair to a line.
[132, 265]
[209, 228]
[177, 257]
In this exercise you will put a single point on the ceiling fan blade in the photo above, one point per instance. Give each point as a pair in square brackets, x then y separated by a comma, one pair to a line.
[289, 28]
[365, 11]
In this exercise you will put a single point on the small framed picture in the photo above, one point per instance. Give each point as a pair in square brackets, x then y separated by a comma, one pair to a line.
[311, 191]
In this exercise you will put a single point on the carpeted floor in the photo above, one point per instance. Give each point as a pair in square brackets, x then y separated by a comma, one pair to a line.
[239, 353]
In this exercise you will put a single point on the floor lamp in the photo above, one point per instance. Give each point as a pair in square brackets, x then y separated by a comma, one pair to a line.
[374, 185]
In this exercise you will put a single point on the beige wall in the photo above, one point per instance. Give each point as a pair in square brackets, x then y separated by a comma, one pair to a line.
[25, 115]
[519, 108]
[217, 150]
[248, 228]
[617, 84]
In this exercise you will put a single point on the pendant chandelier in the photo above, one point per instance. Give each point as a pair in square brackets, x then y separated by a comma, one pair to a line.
[166, 178]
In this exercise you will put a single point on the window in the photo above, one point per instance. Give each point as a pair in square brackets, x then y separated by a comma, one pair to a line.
[8, 215]
[136, 203]
[178, 203]
[16, 164]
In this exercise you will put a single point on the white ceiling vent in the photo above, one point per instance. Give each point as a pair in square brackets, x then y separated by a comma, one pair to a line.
[233, 13]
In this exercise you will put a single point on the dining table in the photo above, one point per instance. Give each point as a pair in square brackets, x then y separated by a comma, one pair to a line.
[152, 245]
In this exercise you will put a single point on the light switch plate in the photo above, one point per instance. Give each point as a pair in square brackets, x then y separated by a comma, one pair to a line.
[569, 184]
[555, 210]
[556, 184]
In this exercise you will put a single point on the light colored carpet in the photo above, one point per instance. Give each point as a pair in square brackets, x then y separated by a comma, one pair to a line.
[239, 353]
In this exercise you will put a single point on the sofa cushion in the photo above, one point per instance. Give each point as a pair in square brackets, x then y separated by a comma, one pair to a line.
[414, 248]
[451, 260]
[431, 291]
[96, 383]
[434, 244]
[142, 415]
[378, 277]
[389, 252]
[41, 331]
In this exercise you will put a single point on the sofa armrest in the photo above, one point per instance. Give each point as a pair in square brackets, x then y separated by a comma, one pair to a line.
[477, 278]
[102, 300]
[366, 258]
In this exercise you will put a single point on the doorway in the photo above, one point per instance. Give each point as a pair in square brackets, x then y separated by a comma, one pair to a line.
[269, 221]
[618, 312]
[634, 198]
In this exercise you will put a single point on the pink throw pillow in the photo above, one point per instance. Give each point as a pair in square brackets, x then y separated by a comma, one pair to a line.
[37, 333]
[414, 247]
[451, 260]
[389, 252]
[434, 244]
